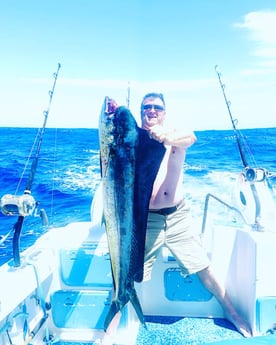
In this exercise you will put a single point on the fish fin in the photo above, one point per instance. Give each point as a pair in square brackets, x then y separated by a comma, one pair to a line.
[101, 166]
[103, 221]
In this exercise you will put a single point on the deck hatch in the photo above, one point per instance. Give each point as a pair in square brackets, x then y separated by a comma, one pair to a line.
[180, 288]
[80, 309]
[85, 267]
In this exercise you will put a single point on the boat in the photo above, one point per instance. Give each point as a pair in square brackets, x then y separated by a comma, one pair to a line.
[58, 291]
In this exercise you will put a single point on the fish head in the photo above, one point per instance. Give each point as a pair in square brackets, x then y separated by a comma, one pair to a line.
[107, 112]
[125, 127]
[109, 105]
[117, 131]
[117, 124]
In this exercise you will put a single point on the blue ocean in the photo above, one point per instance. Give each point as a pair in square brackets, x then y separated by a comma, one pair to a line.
[68, 173]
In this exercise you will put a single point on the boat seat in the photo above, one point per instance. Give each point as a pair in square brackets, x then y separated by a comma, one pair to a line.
[84, 267]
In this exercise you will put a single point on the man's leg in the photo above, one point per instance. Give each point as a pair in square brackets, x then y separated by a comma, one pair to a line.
[211, 284]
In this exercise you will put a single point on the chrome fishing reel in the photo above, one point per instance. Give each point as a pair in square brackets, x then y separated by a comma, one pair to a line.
[18, 205]
[255, 174]
[22, 205]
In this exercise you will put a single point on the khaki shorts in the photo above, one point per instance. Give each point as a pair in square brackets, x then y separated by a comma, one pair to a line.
[175, 232]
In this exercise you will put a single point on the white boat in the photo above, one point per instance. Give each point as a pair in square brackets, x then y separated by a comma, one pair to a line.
[61, 291]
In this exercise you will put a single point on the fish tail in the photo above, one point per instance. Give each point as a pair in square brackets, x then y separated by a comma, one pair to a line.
[137, 306]
[113, 310]
[115, 307]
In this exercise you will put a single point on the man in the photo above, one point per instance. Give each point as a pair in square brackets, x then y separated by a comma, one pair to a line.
[168, 219]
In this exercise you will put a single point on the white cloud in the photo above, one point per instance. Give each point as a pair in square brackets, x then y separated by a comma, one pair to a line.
[261, 26]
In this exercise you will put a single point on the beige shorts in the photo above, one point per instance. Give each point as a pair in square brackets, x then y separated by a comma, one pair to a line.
[175, 232]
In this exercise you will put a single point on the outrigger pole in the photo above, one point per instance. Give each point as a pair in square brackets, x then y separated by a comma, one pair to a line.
[250, 173]
[24, 205]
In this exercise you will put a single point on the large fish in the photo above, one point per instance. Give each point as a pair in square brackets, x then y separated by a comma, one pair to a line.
[129, 163]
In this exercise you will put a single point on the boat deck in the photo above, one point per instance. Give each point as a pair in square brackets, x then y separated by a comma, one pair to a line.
[75, 278]
[161, 330]
[190, 331]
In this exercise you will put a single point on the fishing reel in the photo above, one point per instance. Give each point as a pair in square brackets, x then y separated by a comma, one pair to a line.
[18, 205]
[255, 174]
[22, 205]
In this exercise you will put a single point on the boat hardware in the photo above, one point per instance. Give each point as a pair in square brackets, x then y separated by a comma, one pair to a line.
[231, 208]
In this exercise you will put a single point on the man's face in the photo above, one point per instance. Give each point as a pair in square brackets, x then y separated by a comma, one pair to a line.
[152, 112]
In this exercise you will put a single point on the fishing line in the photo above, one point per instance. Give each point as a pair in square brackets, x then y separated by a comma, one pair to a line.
[53, 176]
[27, 163]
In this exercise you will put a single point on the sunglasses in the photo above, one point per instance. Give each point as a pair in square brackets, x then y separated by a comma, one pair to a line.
[156, 107]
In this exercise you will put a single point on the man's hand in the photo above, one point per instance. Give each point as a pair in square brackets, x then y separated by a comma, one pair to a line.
[158, 133]
[174, 137]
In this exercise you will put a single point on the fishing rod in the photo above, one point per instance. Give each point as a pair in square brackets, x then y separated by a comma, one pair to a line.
[234, 122]
[25, 204]
[128, 94]
[252, 175]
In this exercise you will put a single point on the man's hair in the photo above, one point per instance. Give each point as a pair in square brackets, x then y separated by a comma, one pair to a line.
[152, 95]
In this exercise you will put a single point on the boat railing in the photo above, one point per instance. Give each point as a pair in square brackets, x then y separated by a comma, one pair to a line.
[232, 208]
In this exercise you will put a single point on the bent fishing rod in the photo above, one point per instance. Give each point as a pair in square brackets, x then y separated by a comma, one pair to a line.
[25, 205]
[251, 174]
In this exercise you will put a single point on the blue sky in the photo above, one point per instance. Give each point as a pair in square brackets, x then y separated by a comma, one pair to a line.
[164, 46]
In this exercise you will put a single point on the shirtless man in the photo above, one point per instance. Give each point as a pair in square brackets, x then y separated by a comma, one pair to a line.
[168, 207]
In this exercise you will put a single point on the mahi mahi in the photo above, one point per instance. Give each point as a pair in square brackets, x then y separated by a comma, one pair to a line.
[130, 160]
